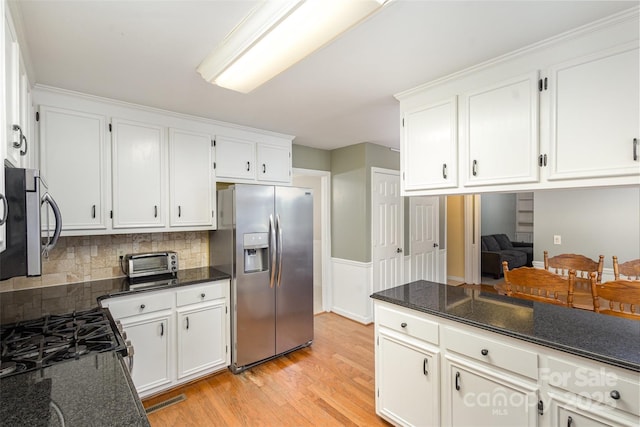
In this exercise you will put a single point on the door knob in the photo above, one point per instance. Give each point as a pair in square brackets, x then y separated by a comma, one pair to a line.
[435, 245]
[399, 250]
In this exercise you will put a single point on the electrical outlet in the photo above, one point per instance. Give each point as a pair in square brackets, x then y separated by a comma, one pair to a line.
[557, 239]
[120, 253]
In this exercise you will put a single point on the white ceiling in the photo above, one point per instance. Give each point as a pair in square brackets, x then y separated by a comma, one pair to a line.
[147, 51]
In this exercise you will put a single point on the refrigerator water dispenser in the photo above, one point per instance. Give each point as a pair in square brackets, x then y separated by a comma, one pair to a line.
[256, 252]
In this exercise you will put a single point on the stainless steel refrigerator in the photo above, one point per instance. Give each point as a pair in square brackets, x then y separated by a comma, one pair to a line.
[264, 241]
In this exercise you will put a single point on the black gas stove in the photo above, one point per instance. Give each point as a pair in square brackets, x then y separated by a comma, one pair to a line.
[35, 344]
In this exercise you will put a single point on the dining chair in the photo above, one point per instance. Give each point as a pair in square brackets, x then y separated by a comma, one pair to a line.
[622, 296]
[539, 285]
[582, 265]
[630, 269]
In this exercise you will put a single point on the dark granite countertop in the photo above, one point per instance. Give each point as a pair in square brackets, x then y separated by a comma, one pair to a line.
[599, 337]
[93, 390]
[35, 303]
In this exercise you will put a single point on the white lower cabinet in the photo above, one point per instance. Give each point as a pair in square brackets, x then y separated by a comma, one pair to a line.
[476, 396]
[201, 338]
[407, 365]
[177, 334]
[432, 371]
[150, 339]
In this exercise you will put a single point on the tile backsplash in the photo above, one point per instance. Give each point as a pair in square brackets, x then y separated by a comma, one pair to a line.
[86, 258]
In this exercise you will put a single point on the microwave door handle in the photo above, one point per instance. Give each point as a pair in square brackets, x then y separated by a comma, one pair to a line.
[279, 245]
[58, 217]
[272, 250]
[5, 210]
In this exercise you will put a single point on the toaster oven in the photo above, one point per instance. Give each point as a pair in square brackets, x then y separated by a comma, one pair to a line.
[150, 264]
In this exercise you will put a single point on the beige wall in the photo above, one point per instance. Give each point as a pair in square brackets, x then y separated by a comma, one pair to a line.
[455, 236]
[86, 258]
[310, 158]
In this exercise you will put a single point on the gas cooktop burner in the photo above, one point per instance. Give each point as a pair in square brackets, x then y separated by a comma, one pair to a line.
[42, 342]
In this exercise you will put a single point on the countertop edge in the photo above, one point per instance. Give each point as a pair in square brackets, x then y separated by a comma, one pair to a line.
[545, 343]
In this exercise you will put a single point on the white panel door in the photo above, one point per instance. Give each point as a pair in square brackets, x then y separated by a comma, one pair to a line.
[424, 234]
[235, 158]
[191, 182]
[595, 108]
[387, 227]
[274, 163]
[430, 146]
[79, 187]
[139, 174]
[500, 132]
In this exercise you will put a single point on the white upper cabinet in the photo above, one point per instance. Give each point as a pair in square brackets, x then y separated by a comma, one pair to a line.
[191, 179]
[235, 158]
[430, 146]
[139, 172]
[79, 187]
[274, 163]
[595, 115]
[14, 140]
[500, 132]
[252, 161]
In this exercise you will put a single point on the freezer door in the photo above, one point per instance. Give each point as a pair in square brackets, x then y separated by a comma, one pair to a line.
[254, 325]
[294, 281]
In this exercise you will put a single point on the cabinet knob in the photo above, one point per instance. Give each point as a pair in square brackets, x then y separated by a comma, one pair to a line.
[202, 295]
[403, 325]
[484, 351]
[142, 306]
[615, 394]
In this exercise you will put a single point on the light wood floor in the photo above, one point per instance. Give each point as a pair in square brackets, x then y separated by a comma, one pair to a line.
[330, 383]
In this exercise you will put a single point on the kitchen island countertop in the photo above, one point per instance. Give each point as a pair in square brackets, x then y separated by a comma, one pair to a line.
[599, 337]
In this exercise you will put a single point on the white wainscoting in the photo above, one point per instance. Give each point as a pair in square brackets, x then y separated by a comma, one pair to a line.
[352, 284]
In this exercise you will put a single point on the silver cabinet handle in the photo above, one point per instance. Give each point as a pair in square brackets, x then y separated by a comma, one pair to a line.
[444, 170]
[5, 210]
[474, 168]
[425, 366]
[93, 211]
[179, 211]
[22, 140]
[458, 381]
[187, 322]
[635, 149]
[264, 168]
[161, 329]
[615, 394]
[155, 211]
[248, 166]
[569, 422]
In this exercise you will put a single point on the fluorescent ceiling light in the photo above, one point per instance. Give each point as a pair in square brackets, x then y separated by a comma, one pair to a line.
[278, 34]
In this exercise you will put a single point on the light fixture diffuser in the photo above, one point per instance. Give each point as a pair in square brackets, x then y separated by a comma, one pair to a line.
[277, 35]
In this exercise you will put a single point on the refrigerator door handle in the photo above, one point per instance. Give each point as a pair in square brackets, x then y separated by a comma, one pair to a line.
[272, 251]
[279, 246]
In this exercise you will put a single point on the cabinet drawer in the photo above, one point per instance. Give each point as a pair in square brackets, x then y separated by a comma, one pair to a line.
[495, 353]
[601, 384]
[201, 293]
[409, 324]
[134, 305]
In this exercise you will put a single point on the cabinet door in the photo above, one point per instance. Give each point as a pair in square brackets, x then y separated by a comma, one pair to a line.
[477, 398]
[12, 92]
[191, 182]
[274, 163]
[78, 186]
[201, 338]
[430, 146]
[595, 115]
[235, 158]
[500, 132]
[569, 418]
[138, 174]
[408, 382]
[150, 341]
